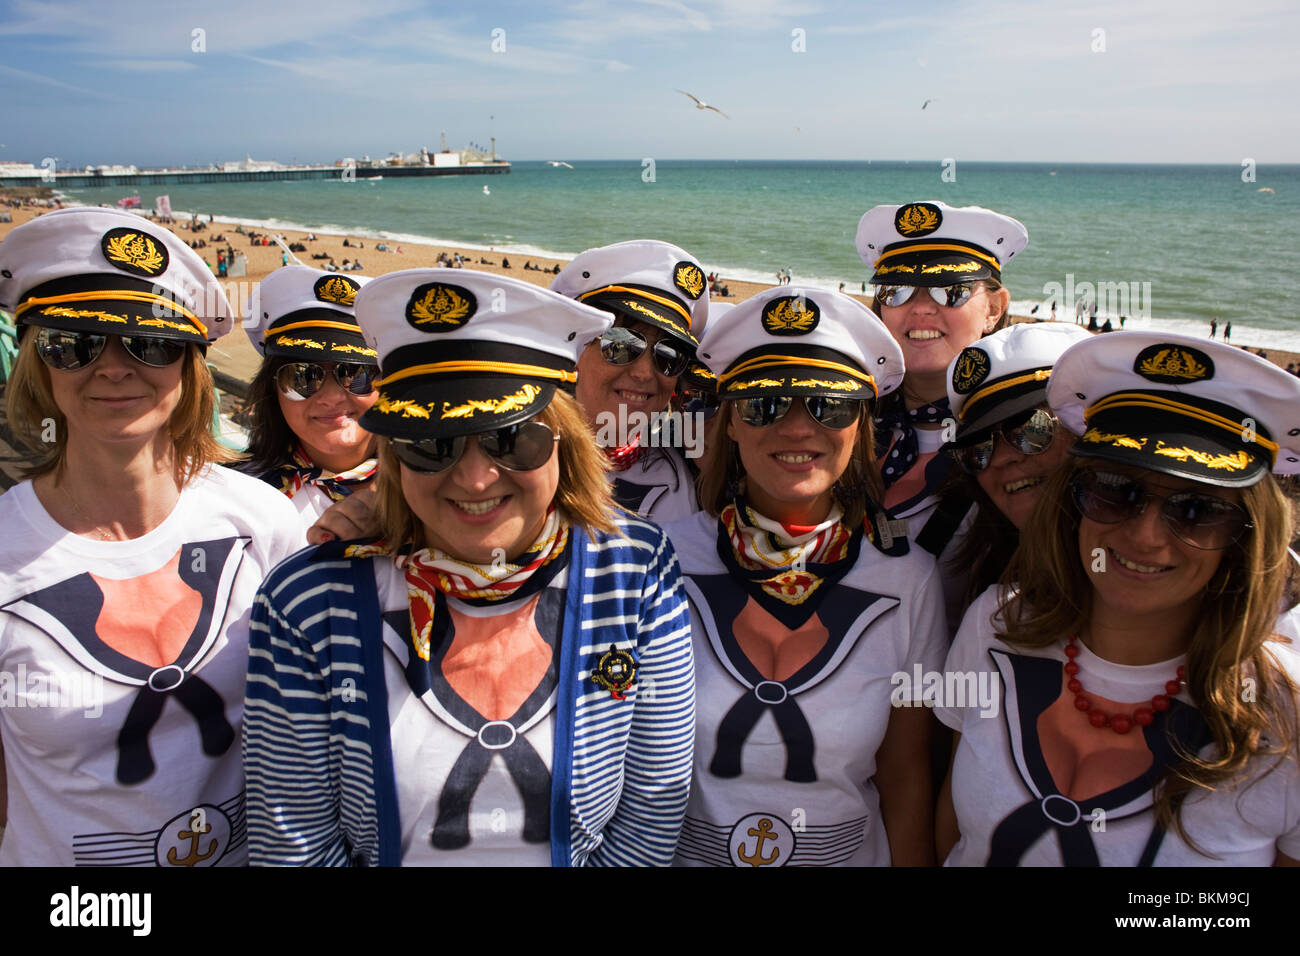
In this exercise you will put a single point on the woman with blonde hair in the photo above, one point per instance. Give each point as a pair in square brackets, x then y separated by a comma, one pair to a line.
[1135, 679]
[505, 677]
[812, 624]
[131, 557]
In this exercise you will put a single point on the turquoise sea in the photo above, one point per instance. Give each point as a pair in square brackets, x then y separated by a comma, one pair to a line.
[1170, 245]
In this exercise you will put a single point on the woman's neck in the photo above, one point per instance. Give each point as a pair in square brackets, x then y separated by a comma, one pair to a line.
[924, 389]
[806, 513]
[113, 492]
[341, 461]
[1122, 637]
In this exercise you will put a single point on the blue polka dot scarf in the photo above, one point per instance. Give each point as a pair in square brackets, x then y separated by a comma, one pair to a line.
[893, 414]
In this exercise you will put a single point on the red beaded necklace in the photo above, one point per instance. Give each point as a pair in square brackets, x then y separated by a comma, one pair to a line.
[1120, 723]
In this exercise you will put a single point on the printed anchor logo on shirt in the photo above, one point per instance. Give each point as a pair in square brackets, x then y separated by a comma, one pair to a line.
[198, 836]
[114, 626]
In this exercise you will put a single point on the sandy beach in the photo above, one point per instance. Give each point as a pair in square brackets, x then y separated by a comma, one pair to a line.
[234, 354]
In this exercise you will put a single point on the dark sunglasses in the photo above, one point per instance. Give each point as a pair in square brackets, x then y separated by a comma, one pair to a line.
[1207, 522]
[299, 381]
[68, 351]
[523, 447]
[1029, 434]
[947, 295]
[622, 346]
[828, 412]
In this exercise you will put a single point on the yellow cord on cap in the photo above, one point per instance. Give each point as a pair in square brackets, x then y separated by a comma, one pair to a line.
[667, 303]
[769, 361]
[321, 324]
[1147, 400]
[1040, 375]
[922, 247]
[503, 368]
[118, 296]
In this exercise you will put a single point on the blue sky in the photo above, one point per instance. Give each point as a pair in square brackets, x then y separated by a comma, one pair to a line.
[1187, 81]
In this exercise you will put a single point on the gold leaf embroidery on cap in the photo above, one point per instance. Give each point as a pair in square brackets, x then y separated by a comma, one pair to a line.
[166, 324]
[756, 383]
[789, 315]
[847, 385]
[952, 267]
[336, 289]
[917, 219]
[404, 407]
[441, 306]
[306, 343]
[972, 368]
[498, 406]
[1095, 437]
[84, 314]
[1175, 363]
[1234, 462]
[353, 348]
[638, 307]
[136, 250]
[690, 279]
[885, 270]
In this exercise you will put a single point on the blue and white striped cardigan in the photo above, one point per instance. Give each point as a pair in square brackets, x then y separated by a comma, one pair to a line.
[316, 744]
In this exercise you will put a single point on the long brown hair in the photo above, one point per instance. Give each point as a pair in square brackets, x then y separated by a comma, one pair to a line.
[270, 439]
[1228, 651]
[30, 405]
[721, 469]
[583, 496]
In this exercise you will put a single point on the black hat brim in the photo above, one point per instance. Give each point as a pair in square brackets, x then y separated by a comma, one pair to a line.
[441, 406]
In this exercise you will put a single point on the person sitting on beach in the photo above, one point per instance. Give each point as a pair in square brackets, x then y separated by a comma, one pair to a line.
[382, 247]
[936, 297]
[657, 294]
[505, 263]
[316, 380]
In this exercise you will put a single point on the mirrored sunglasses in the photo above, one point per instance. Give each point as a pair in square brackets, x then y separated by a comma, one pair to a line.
[523, 447]
[951, 296]
[621, 346]
[68, 351]
[828, 412]
[299, 381]
[1203, 521]
[1030, 434]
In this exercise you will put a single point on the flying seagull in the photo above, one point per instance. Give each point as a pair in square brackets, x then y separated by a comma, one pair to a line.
[700, 105]
[557, 162]
[927, 102]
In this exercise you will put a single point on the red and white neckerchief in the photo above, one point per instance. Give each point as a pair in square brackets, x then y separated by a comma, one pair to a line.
[793, 552]
[430, 572]
[625, 456]
[299, 472]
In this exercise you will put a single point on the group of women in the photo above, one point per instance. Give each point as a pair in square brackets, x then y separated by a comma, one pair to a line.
[518, 646]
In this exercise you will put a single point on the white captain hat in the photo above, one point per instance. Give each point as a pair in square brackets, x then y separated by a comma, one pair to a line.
[795, 340]
[465, 352]
[1180, 405]
[934, 244]
[306, 313]
[644, 280]
[108, 271]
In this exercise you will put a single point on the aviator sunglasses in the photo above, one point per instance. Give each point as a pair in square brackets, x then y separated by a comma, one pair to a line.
[1029, 434]
[68, 351]
[523, 447]
[621, 346]
[828, 412]
[951, 296]
[299, 381]
[1206, 522]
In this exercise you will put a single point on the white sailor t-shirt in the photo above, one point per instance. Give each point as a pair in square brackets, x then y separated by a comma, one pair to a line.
[1035, 784]
[122, 671]
[783, 767]
[659, 486]
[474, 781]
